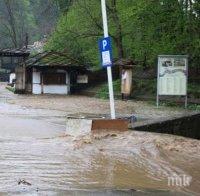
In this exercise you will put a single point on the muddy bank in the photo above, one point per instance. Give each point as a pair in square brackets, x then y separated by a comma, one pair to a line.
[72, 104]
[75, 104]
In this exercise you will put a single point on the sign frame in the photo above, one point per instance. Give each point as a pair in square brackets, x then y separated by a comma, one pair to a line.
[105, 48]
[158, 77]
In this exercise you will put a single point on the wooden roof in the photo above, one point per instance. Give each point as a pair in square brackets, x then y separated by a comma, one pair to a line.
[124, 62]
[52, 59]
[17, 52]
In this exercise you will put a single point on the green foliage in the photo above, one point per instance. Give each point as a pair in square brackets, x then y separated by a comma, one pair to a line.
[16, 21]
[194, 107]
[194, 90]
[11, 89]
[144, 86]
[19, 18]
[63, 4]
[103, 90]
[140, 29]
[76, 34]
[191, 106]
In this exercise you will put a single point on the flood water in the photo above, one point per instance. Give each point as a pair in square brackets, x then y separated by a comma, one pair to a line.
[34, 150]
[64, 163]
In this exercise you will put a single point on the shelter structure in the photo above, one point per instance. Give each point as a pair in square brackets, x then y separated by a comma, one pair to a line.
[52, 73]
[10, 59]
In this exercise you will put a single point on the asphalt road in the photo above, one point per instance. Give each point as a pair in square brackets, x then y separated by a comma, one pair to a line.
[17, 121]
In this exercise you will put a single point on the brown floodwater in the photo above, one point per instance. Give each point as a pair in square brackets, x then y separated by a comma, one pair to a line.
[131, 160]
[36, 157]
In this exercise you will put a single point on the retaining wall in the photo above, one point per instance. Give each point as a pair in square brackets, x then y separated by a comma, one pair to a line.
[187, 126]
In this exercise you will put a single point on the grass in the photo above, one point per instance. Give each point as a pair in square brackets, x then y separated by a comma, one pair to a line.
[12, 89]
[144, 87]
[140, 87]
[194, 90]
[103, 90]
[172, 104]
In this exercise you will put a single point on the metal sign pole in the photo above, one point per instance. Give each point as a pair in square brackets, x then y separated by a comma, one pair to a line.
[157, 95]
[109, 71]
[186, 96]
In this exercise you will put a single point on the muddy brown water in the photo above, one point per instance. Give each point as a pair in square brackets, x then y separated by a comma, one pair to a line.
[64, 163]
[35, 149]
[56, 164]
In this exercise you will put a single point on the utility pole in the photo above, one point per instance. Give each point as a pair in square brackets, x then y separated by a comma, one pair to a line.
[109, 70]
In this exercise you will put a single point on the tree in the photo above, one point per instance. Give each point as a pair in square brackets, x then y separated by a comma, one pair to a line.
[16, 21]
[20, 18]
[140, 29]
[45, 13]
[81, 33]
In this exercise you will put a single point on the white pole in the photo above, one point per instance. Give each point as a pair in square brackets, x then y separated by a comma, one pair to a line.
[109, 71]
[158, 84]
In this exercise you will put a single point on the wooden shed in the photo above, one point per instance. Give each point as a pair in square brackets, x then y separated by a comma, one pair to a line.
[10, 60]
[53, 73]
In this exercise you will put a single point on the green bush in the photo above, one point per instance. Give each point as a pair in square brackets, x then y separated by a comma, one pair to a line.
[12, 89]
[103, 91]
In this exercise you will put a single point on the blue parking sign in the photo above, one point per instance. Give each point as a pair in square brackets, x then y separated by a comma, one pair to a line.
[105, 48]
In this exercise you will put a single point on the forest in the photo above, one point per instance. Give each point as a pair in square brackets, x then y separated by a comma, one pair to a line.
[22, 18]
[140, 29]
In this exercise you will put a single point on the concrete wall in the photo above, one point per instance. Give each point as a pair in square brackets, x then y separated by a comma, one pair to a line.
[38, 88]
[187, 126]
[55, 89]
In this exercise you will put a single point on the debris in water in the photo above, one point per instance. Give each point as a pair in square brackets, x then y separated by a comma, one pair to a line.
[80, 142]
[113, 135]
[87, 141]
[24, 182]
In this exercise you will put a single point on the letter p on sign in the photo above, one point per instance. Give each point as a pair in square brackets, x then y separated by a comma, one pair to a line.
[104, 44]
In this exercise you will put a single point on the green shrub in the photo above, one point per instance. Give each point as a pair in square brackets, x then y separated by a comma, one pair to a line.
[12, 89]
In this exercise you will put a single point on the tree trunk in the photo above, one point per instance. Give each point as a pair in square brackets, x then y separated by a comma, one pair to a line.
[11, 21]
[119, 36]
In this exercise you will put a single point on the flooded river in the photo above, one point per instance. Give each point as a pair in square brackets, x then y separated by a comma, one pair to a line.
[116, 161]
[36, 157]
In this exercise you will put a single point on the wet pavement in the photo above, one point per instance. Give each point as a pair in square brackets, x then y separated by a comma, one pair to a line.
[37, 158]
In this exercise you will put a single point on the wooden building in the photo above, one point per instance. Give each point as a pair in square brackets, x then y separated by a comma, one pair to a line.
[10, 59]
[51, 73]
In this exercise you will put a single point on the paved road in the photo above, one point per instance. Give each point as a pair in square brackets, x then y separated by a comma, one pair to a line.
[17, 121]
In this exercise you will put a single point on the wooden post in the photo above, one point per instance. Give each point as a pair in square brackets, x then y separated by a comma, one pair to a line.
[42, 83]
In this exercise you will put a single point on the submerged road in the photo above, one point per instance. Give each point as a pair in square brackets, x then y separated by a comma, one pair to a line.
[37, 158]
[17, 122]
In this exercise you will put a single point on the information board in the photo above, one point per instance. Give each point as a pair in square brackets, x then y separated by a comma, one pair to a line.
[82, 79]
[172, 75]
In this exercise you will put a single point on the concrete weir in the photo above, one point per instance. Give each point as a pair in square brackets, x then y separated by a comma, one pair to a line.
[83, 124]
[186, 125]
